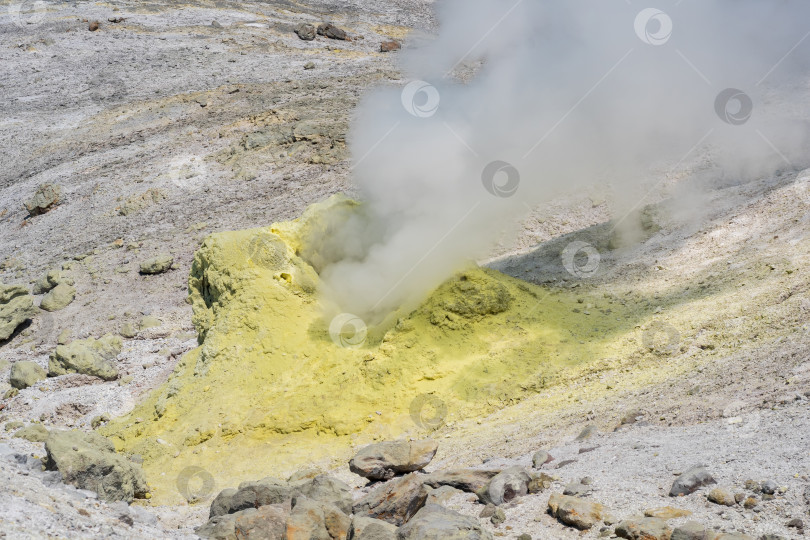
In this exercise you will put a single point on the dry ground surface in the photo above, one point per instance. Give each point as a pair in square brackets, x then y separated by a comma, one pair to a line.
[164, 127]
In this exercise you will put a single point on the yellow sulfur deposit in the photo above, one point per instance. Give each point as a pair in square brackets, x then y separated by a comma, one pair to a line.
[269, 391]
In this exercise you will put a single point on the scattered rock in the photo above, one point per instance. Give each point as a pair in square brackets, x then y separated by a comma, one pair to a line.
[14, 424]
[16, 307]
[396, 501]
[96, 421]
[644, 528]
[540, 458]
[128, 330]
[667, 512]
[305, 31]
[488, 511]
[689, 481]
[315, 520]
[309, 65]
[33, 433]
[251, 494]
[505, 486]
[324, 488]
[587, 432]
[691, 530]
[94, 26]
[795, 523]
[469, 480]
[365, 528]
[25, 373]
[498, 516]
[89, 461]
[434, 522]
[382, 461]
[721, 496]
[64, 337]
[389, 46]
[769, 487]
[58, 298]
[750, 503]
[87, 356]
[46, 197]
[576, 512]
[266, 523]
[441, 495]
[577, 489]
[157, 265]
[148, 322]
[216, 24]
[51, 279]
[331, 31]
[540, 482]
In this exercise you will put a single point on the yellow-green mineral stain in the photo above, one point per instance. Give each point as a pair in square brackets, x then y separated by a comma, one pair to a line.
[268, 391]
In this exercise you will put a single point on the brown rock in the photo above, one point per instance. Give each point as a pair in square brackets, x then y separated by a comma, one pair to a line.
[381, 461]
[94, 26]
[576, 512]
[331, 31]
[396, 501]
[266, 523]
[667, 512]
[389, 46]
[721, 496]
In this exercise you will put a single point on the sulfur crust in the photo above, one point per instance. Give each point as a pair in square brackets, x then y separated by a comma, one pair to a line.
[268, 391]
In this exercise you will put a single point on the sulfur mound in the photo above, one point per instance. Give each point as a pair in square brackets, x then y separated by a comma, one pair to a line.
[268, 390]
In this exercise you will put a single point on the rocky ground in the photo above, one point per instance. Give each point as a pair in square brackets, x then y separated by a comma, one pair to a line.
[171, 121]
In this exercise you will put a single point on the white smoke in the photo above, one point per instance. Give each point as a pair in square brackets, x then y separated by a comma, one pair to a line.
[565, 95]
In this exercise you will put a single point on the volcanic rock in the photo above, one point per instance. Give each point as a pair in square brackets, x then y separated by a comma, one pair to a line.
[157, 265]
[365, 528]
[25, 374]
[644, 528]
[58, 298]
[396, 501]
[331, 31]
[89, 461]
[315, 520]
[721, 496]
[540, 458]
[689, 481]
[45, 198]
[389, 46]
[434, 522]
[381, 461]
[305, 31]
[87, 356]
[576, 512]
[33, 433]
[250, 494]
[469, 480]
[16, 307]
[505, 486]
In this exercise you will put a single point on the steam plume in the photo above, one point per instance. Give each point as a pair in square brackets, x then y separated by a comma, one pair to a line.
[565, 95]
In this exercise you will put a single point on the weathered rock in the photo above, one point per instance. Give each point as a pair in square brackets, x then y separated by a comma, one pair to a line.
[498, 516]
[396, 501]
[324, 488]
[691, 530]
[365, 528]
[222, 527]
[46, 197]
[769, 487]
[331, 31]
[251, 494]
[25, 373]
[540, 482]
[644, 528]
[16, 307]
[305, 31]
[390, 45]
[266, 523]
[667, 512]
[51, 279]
[721, 496]
[87, 356]
[14, 424]
[382, 461]
[470, 480]
[441, 494]
[157, 265]
[577, 489]
[587, 432]
[89, 461]
[576, 512]
[434, 522]
[689, 481]
[540, 458]
[505, 486]
[128, 330]
[314, 520]
[732, 536]
[58, 298]
[33, 433]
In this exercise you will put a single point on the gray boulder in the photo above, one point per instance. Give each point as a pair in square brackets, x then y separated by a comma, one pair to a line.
[46, 197]
[505, 486]
[689, 481]
[324, 488]
[88, 356]
[469, 480]
[89, 461]
[24, 374]
[251, 494]
[434, 522]
[381, 461]
[366, 528]
[305, 31]
[16, 307]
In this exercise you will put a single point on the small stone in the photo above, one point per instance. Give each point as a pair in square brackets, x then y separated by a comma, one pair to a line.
[157, 265]
[795, 523]
[16, 307]
[540, 482]
[721, 496]
[739, 497]
[576, 489]
[216, 24]
[25, 373]
[498, 517]
[64, 337]
[58, 298]
[10, 393]
[576, 512]
[488, 511]
[87, 356]
[46, 197]
[331, 31]
[305, 31]
[540, 458]
[587, 432]
[689, 481]
[97, 421]
[148, 322]
[435, 522]
[13, 425]
[524, 536]
[128, 330]
[507, 485]
[309, 65]
[750, 502]
[769, 487]
[94, 26]
[389, 46]
[667, 512]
